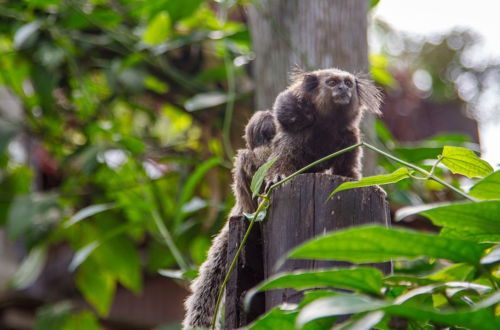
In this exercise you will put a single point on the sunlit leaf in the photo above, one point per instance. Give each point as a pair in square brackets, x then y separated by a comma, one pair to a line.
[30, 268]
[492, 257]
[26, 34]
[82, 254]
[84, 320]
[397, 175]
[260, 217]
[376, 244]
[340, 304]
[158, 30]
[205, 100]
[464, 161]
[487, 188]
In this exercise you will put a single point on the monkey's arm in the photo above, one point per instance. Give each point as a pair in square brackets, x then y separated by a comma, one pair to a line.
[293, 113]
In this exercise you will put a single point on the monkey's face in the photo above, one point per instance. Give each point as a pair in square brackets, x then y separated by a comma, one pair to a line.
[333, 88]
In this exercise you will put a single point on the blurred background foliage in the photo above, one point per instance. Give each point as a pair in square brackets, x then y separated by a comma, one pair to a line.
[118, 123]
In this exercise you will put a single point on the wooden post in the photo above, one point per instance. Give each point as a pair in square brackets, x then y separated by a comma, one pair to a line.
[299, 211]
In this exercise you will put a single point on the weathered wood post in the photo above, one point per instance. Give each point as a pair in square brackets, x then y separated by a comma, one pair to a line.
[299, 211]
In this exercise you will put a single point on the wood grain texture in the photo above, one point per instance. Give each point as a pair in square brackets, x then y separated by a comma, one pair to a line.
[299, 212]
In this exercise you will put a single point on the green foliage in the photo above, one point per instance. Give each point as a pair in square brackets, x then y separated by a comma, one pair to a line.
[461, 292]
[102, 150]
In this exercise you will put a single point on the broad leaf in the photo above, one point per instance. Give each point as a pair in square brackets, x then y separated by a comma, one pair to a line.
[362, 278]
[397, 175]
[376, 244]
[487, 188]
[259, 176]
[480, 217]
[97, 286]
[464, 161]
[479, 319]
[340, 304]
[158, 30]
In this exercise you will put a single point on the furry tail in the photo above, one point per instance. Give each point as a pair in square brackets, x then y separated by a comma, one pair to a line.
[200, 305]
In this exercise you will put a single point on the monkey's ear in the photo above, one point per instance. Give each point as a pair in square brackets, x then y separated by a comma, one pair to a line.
[370, 97]
[310, 82]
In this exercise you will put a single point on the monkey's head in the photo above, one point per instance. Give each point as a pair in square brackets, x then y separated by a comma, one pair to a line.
[334, 90]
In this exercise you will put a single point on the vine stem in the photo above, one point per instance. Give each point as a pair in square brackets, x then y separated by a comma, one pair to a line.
[266, 197]
[429, 175]
[261, 207]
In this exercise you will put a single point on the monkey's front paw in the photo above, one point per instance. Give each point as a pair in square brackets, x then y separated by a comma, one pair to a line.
[272, 180]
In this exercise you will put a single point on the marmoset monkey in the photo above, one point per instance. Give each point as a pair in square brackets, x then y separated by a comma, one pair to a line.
[200, 305]
[318, 114]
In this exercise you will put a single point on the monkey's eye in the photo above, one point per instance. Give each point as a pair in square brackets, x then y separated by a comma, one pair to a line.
[332, 82]
[348, 83]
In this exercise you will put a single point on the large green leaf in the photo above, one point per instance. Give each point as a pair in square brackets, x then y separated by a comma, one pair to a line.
[480, 217]
[487, 188]
[464, 161]
[97, 286]
[362, 278]
[478, 319]
[375, 244]
[397, 175]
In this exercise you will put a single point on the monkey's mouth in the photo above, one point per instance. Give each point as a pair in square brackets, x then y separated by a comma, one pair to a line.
[342, 98]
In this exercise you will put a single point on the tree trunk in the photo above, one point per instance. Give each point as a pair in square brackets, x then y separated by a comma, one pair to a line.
[314, 35]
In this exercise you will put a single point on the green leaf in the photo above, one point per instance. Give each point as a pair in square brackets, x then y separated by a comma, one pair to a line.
[260, 217]
[492, 257]
[276, 318]
[88, 212]
[477, 217]
[376, 244]
[158, 30]
[205, 100]
[397, 175]
[365, 279]
[340, 304]
[82, 321]
[259, 176]
[487, 188]
[97, 286]
[26, 35]
[478, 319]
[30, 268]
[52, 317]
[455, 272]
[464, 161]
[82, 254]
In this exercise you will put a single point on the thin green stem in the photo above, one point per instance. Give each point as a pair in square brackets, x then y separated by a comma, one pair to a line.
[419, 169]
[167, 237]
[302, 170]
[262, 205]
